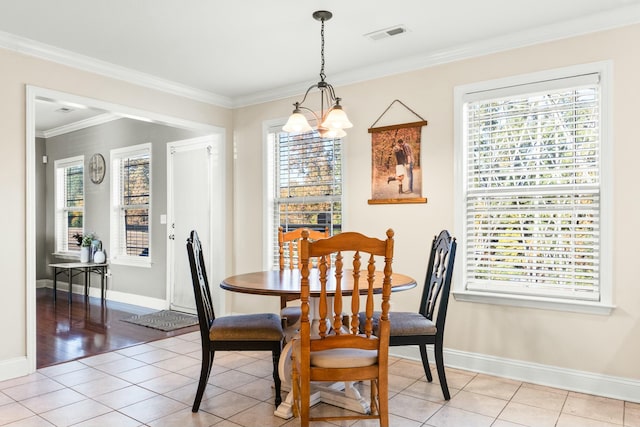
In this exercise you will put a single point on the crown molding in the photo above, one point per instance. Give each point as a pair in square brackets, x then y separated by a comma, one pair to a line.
[619, 17]
[81, 124]
[594, 23]
[71, 59]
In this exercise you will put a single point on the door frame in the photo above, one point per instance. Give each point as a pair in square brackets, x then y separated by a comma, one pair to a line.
[33, 93]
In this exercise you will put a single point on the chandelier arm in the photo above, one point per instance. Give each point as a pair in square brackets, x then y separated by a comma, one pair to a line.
[332, 94]
[304, 98]
[326, 97]
[315, 116]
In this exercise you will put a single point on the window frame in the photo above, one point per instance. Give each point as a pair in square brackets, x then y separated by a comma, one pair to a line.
[60, 249]
[545, 79]
[116, 206]
[270, 191]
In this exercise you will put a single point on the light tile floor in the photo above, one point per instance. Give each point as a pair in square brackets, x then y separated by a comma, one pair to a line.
[154, 385]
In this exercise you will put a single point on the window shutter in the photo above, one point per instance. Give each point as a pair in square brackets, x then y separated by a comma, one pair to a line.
[532, 179]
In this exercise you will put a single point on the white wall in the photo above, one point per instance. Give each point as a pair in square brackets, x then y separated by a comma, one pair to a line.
[606, 346]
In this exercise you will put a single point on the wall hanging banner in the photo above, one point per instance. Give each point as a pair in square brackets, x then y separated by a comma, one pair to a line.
[396, 175]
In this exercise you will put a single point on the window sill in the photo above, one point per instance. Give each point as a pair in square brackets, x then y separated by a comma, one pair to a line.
[131, 262]
[587, 307]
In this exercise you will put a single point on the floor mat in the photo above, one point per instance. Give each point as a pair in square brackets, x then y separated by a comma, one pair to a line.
[165, 320]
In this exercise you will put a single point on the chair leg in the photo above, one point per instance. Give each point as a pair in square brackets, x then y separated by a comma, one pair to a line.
[275, 355]
[425, 362]
[205, 371]
[305, 400]
[300, 401]
[373, 403]
[440, 367]
[383, 401]
[295, 389]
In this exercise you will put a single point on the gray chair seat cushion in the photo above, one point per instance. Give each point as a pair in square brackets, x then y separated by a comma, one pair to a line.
[247, 327]
[403, 324]
[292, 314]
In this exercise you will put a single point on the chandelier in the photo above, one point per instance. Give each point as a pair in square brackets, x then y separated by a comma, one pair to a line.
[329, 124]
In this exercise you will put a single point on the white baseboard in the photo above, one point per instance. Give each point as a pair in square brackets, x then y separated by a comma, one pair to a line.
[94, 291]
[547, 375]
[139, 300]
[15, 367]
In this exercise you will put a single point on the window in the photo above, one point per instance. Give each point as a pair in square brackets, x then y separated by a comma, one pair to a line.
[305, 183]
[532, 155]
[130, 203]
[69, 203]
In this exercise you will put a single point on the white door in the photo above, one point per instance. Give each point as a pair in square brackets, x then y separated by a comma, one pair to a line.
[195, 201]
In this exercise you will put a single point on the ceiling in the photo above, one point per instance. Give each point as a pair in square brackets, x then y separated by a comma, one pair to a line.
[234, 53]
[55, 117]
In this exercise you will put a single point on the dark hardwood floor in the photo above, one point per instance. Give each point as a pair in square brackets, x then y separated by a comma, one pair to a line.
[87, 327]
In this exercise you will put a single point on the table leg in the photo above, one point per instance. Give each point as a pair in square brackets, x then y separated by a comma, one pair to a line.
[102, 280]
[70, 271]
[55, 284]
[87, 282]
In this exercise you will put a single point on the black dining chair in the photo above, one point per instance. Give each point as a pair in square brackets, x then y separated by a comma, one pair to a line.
[248, 332]
[419, 328]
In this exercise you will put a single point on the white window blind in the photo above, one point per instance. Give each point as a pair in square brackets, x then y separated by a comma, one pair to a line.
[532, 178]
[131, 199]
[307, 184]
[69, 203]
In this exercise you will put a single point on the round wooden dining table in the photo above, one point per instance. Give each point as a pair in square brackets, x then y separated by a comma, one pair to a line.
[287, 283]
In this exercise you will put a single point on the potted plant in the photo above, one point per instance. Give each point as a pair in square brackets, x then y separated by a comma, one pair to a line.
[84, 241]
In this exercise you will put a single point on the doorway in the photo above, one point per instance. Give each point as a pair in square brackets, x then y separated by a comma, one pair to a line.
[33, 231]
[194, 197]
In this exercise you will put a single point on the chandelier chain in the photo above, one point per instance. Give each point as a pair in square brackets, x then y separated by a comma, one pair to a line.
[329, 124]
[322, 74]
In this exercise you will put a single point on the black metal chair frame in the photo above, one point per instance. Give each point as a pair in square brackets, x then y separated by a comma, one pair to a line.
[206, 317]
[437, 285]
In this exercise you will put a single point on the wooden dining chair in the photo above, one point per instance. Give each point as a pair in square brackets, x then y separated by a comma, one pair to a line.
[248, 332]
[336, 353]
[289, 258]
[419, 328]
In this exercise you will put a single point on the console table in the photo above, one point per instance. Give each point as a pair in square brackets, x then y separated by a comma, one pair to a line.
[75, 268]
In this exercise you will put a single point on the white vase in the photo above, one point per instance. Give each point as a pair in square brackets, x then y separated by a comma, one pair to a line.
[85, 251]
[99, 257]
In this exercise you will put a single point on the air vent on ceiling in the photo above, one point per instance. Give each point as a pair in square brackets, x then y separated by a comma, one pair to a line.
[64, 110]
[387, 32]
